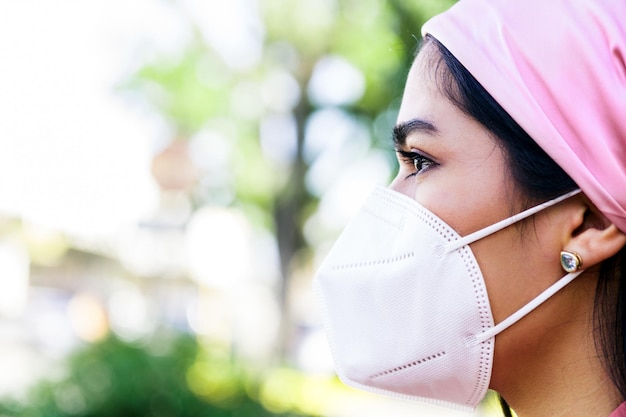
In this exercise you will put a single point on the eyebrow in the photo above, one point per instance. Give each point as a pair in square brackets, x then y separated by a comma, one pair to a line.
[402, 130]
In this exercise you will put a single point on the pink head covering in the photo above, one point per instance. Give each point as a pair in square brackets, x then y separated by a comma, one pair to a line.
[558, 67]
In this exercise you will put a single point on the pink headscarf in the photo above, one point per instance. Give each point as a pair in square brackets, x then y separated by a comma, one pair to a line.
[558, 67]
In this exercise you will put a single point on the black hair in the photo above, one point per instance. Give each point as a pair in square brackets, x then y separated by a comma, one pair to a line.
[539, 178]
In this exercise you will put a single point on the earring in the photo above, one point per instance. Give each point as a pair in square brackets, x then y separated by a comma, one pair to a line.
[571, 261]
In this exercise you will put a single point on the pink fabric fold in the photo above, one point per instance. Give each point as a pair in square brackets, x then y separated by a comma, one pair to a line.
[558, 67]
[619, 411]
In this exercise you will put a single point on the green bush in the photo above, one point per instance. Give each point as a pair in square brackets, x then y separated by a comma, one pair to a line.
[166, 376]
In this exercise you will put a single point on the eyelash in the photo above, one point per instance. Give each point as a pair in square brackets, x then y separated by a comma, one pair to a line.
[420, 162]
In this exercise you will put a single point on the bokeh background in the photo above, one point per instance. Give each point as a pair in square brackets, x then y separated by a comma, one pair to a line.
[171, 173]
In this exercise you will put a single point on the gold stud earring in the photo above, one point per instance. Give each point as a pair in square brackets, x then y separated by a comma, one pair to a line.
[571, 261]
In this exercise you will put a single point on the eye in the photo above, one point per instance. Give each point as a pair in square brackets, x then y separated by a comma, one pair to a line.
[418, 162]
[421, 163]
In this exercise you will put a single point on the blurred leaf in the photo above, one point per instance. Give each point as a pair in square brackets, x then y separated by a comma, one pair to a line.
[164, 376]
[188, 89]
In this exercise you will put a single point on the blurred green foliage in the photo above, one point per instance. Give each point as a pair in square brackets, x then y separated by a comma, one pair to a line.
[187, 89]
[168, 375]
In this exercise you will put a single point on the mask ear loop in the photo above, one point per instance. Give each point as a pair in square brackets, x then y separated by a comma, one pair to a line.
[519, 314]
[473, 340]
[479, 234]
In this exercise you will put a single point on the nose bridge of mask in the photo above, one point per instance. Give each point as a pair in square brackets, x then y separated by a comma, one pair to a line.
[473, 237]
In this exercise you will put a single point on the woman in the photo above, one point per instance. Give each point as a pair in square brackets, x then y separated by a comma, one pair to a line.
[496, 257]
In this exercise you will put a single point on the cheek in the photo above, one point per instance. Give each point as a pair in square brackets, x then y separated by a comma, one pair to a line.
[467, 205]
[501, 263]
[471, 193]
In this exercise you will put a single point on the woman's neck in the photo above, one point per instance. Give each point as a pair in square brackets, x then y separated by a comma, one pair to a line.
[554, 369]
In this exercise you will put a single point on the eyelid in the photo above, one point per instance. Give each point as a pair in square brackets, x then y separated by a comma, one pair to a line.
[410, 155]
[411, 158]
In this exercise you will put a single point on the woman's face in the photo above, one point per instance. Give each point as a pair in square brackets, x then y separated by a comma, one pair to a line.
[450, 164]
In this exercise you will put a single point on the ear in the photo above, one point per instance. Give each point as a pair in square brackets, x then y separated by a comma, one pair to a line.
[593, 236]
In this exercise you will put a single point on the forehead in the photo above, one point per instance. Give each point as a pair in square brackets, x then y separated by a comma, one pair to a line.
[424, 97]
[431, 69]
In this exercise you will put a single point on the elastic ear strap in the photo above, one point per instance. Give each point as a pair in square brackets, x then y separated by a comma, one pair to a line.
[473, 237]
[519, 314]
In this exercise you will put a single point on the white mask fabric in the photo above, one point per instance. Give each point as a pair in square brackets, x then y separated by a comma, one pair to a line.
[405, 305]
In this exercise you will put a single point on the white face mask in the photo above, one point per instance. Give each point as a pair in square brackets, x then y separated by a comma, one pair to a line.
[405, 304]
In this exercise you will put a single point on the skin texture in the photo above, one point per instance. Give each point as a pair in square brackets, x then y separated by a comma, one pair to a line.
[546, 364]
